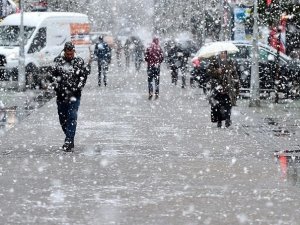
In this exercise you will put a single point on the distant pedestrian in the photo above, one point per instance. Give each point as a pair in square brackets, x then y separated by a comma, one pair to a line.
[154, 57]
[182, 57]
[127, 52]
[103, 53]
[118, 52]
[68, 78]
[138, 53]
[199, 75]
[224, 83]
[172, 60]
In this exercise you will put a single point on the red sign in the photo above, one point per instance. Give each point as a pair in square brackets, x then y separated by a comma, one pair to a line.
[80, 33]
[269, 2]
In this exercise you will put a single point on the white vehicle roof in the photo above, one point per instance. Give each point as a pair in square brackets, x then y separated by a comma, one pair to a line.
[34, 18]
[12, 3]
[271, 49]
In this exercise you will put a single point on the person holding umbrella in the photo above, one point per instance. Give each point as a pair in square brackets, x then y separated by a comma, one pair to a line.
[224, 77]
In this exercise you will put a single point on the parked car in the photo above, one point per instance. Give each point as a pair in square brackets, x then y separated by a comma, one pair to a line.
[289, 69]
[289, 79]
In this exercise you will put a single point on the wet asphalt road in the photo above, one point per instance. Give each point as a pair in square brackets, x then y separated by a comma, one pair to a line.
[151, 162]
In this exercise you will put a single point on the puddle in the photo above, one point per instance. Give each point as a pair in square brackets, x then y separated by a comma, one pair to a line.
[279, 130]
[10, 116]
[282, 132]
[271, 121]
[289, 165]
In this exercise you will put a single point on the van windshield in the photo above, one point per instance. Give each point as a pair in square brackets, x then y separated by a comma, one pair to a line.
[10, 35]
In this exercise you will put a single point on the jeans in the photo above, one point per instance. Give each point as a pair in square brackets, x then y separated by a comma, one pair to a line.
[67, 112]
[102, 69]
[153, 73]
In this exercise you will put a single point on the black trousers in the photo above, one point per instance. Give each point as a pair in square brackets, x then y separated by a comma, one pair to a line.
[68, 112]
[220, 107]
[153, 74]
[102, 70]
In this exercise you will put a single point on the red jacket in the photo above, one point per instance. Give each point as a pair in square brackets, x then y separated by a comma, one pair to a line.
[154, 54]
[273, 40]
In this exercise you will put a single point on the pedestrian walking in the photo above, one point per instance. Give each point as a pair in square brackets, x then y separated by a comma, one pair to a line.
[172, 61]
[182, 57]
[103, 53]
[138, 53]
[68, 78]
[127, 52]
[199, 76]
[224, 78]
[154, 57]
[119, 48]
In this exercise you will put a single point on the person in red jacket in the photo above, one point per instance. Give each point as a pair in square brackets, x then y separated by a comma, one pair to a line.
[275, 39]
[154, 57]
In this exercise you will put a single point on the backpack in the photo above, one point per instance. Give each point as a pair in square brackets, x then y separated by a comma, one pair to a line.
[102, 51]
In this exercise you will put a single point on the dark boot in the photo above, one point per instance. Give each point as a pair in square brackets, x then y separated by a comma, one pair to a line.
[227, 123]
[68, 146]
[219, 124]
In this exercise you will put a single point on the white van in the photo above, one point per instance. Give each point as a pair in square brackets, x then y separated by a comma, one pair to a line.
[45, 36]
[7, 7]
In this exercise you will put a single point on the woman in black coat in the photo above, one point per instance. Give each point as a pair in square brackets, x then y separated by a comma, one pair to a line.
[223, 77]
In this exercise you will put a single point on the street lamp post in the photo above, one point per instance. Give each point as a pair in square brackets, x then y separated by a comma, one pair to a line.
[203, 34]
[254, 86]
[222, 35]
[277, 70]
[21, 70]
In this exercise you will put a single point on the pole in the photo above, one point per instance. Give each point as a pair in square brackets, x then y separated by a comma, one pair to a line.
[21, 71]
[277, 73]
[254, 86]
[222, 36]
[203, 34]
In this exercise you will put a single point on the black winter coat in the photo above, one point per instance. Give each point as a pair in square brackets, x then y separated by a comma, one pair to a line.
[177, 57]
[69, 78]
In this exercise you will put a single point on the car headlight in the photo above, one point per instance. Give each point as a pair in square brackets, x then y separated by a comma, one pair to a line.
[12, 56]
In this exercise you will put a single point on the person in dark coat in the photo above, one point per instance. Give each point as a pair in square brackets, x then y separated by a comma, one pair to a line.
[138, 53]
[154, 57]
[119, 48]
[68, 78]
[172, 61]
[223, 77]
[182, 57]
[199, 75]
[103, 53]
[127, 52]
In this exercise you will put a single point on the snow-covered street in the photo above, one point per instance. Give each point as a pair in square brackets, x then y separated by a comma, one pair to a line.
[140, 161]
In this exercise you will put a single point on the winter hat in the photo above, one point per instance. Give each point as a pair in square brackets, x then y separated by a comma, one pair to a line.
[156, 40]
[69, 46]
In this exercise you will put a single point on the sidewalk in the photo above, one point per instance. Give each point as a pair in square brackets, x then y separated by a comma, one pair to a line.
[150, 162]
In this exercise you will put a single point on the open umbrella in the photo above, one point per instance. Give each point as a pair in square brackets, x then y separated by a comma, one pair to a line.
[214, 48]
